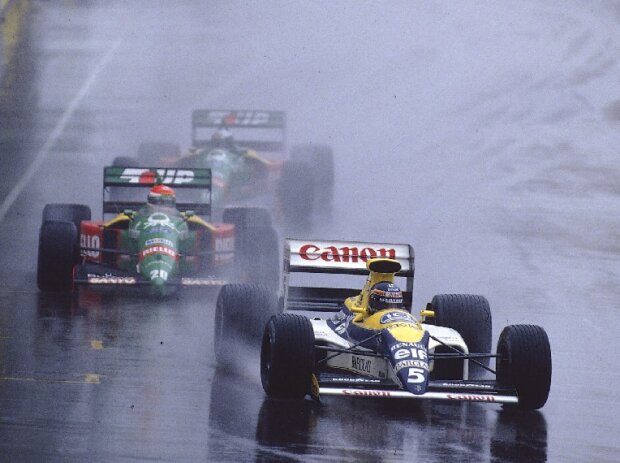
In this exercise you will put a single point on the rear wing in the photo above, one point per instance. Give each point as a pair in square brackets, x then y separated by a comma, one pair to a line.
[192, 187]
[261, 130]
[337, 257]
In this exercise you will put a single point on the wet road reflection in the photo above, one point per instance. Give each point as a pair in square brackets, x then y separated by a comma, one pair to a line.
[76, 371]
[242, 422]
[519, 437]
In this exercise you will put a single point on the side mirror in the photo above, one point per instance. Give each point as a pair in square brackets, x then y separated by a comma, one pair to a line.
[129, 213]
[427, 312]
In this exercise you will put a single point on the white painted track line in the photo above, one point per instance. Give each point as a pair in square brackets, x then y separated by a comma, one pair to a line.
[55, 134]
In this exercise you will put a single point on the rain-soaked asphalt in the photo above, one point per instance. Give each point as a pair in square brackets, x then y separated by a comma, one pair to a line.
[485, 135]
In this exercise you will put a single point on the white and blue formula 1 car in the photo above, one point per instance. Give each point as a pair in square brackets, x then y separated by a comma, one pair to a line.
[326, 341]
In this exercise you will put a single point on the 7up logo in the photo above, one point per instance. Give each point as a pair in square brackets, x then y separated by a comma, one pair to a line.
[237, 118]
[147, 176]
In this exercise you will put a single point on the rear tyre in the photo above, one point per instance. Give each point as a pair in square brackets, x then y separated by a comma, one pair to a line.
[524, 362]
[58, 253]
[256, 246]
[296, 195]
[470, 316]
[241, 311]
[157, 153]
[321, 160]
[74, 213]
[245, 217]
[126, 161]
[287, 356]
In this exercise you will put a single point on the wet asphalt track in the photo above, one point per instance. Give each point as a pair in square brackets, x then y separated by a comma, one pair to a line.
[501, 173]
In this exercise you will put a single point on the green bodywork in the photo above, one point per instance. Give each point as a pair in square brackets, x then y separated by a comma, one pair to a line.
[239, 173]
[160, 243]
[233, 171]
[159, 238]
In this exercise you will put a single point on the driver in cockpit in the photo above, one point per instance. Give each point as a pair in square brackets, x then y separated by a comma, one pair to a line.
[223, 138]
[384, 295]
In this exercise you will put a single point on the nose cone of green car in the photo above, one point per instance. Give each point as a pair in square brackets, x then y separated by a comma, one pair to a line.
[160, 287]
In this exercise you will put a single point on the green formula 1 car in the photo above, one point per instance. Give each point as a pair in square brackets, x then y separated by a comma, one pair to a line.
[246, 151]
[163, 244]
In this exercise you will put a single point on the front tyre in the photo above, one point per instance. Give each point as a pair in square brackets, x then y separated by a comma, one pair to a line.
[524, 362]
[287, 356]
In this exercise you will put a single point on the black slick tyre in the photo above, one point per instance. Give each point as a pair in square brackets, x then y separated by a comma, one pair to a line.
[246, 217]
[58, 253]
[296, 195]
[470, 316]
[74, 213]
[126, 161]
[241, 312]
[154, 153]
[524, 362]
[228, 311]
[256, 246]
[321, 160]
[287, 356]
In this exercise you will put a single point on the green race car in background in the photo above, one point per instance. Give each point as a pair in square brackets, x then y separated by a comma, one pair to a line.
[158, 246]
[250, 166]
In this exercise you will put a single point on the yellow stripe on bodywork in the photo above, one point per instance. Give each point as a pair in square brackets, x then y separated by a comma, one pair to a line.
[122, 217]
[197, 220]
[252, 154]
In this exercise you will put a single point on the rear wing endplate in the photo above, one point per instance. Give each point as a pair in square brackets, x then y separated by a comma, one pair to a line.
[262, 130]
[192, 186]
[338, 257]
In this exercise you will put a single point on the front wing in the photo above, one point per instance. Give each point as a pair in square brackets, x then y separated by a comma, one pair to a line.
[101, 275]
[452, 390]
